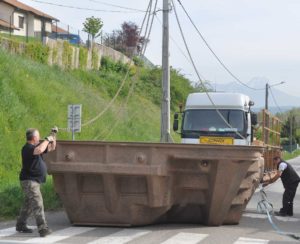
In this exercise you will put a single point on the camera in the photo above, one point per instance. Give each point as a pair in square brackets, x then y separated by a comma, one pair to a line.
[54, 130]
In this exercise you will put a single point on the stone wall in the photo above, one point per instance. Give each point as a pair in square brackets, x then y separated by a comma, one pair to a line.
[94, 55]
[65, 55]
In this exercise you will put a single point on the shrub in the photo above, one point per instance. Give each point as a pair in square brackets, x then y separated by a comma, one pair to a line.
[95, 59]
[83, 57]
[138, 61]
[37, 51]
[107, 64]
[67, 55]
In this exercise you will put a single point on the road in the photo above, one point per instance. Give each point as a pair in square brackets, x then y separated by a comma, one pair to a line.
[254, 228]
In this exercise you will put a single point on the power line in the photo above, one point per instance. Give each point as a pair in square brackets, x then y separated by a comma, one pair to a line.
[273, 97]
[150, 29]
[110, 103]
[214, 54]
[117, 6]
[123, 107]
[196, 70]
[81, 8]
[131, 89]
[115, 96]
[145, 17]
[148, 19]
[179, 48]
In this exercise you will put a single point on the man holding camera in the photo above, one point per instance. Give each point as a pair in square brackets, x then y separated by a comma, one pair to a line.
[33, 174]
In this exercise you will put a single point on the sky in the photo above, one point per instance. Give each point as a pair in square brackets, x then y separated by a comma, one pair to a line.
[254, 38]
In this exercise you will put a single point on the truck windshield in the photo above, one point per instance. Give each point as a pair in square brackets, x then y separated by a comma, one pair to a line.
[210, 120]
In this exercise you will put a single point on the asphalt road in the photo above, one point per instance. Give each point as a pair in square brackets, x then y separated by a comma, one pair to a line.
[254, 228]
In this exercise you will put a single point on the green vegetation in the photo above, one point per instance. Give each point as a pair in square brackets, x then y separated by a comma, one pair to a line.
[67, 55]
[20, 38]
[287, 155]
[11, 198]
[93, 26]
[34, 50]
[83, 56]
[38, 52]
[33, 94]
[95, 59]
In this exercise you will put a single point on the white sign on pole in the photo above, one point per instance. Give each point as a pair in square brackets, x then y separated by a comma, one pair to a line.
[74, 117]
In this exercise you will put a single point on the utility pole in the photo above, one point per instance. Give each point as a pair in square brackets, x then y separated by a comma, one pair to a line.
[165, 107]
[267, 97]
[291, 134]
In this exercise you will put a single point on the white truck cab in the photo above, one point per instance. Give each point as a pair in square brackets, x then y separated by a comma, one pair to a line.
[201, 122]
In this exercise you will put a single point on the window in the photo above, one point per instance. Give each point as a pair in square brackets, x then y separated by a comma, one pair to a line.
[21, 22]
[210, 120]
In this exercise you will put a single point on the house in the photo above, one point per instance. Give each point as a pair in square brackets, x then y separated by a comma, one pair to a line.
[23, 20]
[58, 30]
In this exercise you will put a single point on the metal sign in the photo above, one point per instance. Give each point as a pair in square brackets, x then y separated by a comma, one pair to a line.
[74, 117]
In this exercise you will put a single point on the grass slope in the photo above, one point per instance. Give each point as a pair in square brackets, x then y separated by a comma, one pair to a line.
[36, 95]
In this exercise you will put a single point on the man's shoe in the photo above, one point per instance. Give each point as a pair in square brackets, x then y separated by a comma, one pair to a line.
[45, 232]
[23, 229]
[282, 214]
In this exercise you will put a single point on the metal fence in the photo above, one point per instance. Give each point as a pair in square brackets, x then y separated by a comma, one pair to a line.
[290, 148]
[69, 33]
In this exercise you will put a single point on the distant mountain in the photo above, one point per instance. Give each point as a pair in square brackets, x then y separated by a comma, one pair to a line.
[284, 100]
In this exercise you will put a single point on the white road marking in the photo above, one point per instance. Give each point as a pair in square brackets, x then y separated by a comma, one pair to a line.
[185, 238]
[11, 231]
[11, 241]
[243, 240]
[121, 237]
[8, 232]
[60, 235]
[264, 216]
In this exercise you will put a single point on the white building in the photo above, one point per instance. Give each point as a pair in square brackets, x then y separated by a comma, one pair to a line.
[23, 20]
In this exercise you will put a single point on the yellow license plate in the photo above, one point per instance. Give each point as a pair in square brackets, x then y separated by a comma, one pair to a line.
[216, 140]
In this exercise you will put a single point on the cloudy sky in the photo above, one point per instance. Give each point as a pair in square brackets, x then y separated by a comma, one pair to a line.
[254, 38]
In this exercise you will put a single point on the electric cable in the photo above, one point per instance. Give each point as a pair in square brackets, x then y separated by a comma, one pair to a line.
[196, 70]
[113, 99]
[273, 97]
[145, 17]
[148, 21]
[264, 206]
[117, 6]
[215, 55]
[179, 48]
[110, 103]
[150, 29]
[122, 108]
[81, 8]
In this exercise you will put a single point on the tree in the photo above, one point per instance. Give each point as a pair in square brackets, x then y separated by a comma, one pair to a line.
[127, 40]
[132, 39]
[93, 26]
[289, 128]
[115, 41]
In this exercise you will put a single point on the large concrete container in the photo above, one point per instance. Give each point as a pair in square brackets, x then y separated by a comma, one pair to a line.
[130, 184]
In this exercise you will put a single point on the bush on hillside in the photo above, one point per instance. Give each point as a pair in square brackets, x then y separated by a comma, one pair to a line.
[107, 64]
[37, 52]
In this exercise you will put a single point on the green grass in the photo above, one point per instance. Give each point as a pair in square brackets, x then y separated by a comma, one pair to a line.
[36, 95]
[21, 38]
[287, 155]
[11, 198]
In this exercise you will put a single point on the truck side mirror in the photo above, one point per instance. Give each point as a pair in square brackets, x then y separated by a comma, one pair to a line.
[175, 123]
[254, 119]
